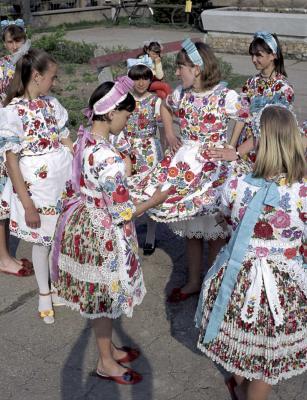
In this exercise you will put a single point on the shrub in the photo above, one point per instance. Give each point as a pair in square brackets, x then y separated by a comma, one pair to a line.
[64, 50]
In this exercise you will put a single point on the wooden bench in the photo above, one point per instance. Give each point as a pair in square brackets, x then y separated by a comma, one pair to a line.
[108, 60]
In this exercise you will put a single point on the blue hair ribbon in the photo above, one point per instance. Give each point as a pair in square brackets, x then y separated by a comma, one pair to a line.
[269, 40]
[192, 53]
[144, 60]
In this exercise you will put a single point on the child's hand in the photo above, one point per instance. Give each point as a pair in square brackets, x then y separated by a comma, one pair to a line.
[158, 197]
[174, 143]
[225, 154]
[32, 217]
[157, 60]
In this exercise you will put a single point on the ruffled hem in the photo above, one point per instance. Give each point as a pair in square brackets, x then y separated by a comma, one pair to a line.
[13, 147]
[202, 235]
[249, 375]
[27, 237]
[128, 312]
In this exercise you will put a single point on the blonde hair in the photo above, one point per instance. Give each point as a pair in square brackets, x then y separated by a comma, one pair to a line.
[280, 148]
[211, 75]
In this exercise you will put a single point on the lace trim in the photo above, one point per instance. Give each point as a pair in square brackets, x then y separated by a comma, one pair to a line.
[116, 313]
[27, 237]
[249, 375]
[13, 147]
[273, 244]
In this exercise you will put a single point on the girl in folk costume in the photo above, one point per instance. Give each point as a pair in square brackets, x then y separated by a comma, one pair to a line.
[16, 43]
[139, 139]
[34, 143]
[204, 106]
[153, 49]
[95, 256]
[252, 309]
[269, 86]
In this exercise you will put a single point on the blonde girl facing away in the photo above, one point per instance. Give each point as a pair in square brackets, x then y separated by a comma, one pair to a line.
[252, 309]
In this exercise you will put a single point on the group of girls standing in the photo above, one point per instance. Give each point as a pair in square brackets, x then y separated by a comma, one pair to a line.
[251, 307]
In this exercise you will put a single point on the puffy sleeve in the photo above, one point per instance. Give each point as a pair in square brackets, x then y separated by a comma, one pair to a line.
[11, 131]
[121, 142]
[159, 74]
[173, 100]
[113, 184]
[236, 106]
[61, 116]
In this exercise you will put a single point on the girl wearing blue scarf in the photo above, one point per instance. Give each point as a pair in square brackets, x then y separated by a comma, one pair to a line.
[269, 86]
[252, 308]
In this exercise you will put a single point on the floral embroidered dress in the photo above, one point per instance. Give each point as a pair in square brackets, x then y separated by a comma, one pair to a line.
[98, 266]
[259, 91]
[33, 129]
[139, 138]
[262, 333]
[192, 180]
[7, 70]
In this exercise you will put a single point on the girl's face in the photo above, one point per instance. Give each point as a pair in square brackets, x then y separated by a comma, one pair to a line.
[10, 44]
[47, 79]
[118, 121]
[141, 86]
[186, 74]
[263, 60]
[153, 55]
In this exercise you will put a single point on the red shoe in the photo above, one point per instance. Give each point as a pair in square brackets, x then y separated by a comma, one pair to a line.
[177, 295]
[130, 377]
[231, 384]
[22, 272]
[132, 354]
[27, 264]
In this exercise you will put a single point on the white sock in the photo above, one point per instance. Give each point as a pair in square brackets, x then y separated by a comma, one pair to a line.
[40, 259]
[151, 231]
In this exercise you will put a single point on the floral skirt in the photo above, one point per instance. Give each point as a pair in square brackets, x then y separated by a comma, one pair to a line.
[193, 183]
[258, 350]
[99, 272]
[45, 177]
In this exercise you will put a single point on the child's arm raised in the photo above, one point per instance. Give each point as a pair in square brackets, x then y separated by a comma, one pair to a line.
[32, 217]
[236, 133]
[157, 198]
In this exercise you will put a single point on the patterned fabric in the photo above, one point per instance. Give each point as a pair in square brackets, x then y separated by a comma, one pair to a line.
[99, 269]
[192, 179]
[33, 129]
[251, 342]
[259, 91]
[7, 71]
[139, 139]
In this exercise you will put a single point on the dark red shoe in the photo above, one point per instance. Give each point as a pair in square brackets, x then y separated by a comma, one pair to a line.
[231, 384]
[22, 272]
[130, 377]
[177, 295]
[132, 354]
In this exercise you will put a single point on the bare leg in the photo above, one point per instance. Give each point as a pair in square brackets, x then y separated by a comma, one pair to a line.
[103, 333]
[195, 265]
[7, 263]
[214, 246]
[258, 390]
[241, 389]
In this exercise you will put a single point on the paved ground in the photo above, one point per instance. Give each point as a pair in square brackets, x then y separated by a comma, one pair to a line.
[40, 362]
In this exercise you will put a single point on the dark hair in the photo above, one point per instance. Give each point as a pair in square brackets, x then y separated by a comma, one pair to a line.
[152, 46]
[211, 75]
[35, 59]
[140, 71]
[17, 33]
[127, 104]
[259, 44]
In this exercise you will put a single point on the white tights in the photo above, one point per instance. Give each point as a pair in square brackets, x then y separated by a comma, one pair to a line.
[40, 258]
